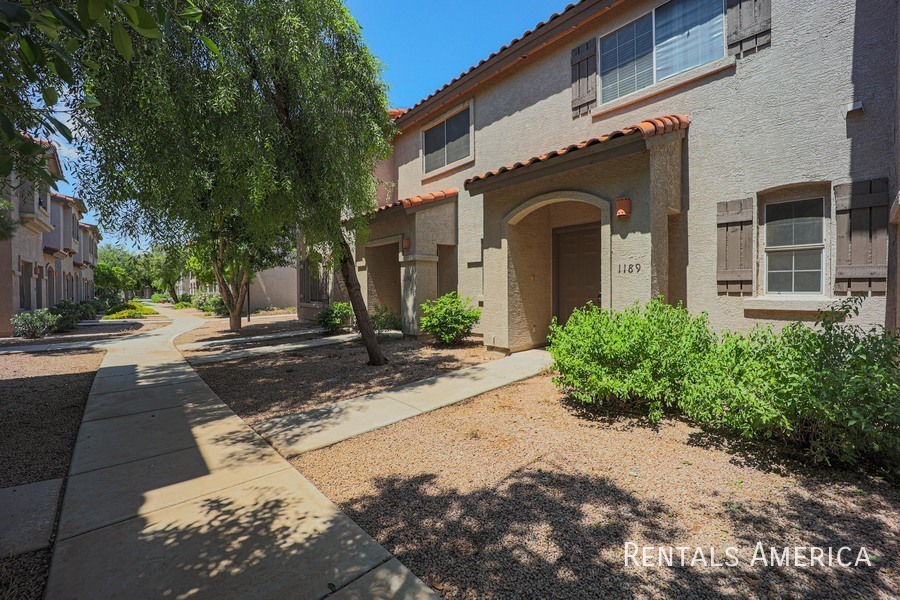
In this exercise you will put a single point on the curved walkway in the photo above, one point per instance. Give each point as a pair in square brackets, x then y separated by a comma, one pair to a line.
[170, 494]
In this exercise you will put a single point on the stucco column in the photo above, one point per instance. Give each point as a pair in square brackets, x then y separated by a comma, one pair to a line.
[665, 194]
[419, 283]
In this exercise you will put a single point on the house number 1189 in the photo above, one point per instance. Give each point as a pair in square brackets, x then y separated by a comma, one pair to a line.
[630, 268]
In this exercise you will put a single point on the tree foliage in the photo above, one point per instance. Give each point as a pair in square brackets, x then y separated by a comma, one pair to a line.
[268, 117]
[48, 51]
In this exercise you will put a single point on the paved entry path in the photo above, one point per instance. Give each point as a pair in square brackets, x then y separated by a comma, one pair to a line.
[171, 495]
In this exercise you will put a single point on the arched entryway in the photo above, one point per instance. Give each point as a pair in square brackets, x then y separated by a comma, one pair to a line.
[557, 260]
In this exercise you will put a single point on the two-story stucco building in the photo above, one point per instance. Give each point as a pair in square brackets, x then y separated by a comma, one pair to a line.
[739, 156]
[52, 254]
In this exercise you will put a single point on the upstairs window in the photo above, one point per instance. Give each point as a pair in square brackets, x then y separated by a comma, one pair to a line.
[795, 247]
[677, 36]
[448, 142]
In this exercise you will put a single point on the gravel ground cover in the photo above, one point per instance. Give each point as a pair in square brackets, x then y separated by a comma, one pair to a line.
[85, 334]
[518, 494]
[42, 398]
[217, 329]
[23, 577]
[260, 388]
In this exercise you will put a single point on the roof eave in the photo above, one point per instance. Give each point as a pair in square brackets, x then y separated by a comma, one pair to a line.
[505, 59]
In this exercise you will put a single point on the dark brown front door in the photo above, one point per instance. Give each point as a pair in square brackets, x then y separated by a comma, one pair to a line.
[577, 263]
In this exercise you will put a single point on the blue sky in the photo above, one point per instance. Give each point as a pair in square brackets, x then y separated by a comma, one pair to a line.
[426, 43]
[423, 44]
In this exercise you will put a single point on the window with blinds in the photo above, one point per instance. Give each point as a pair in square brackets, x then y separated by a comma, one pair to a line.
[448, 142]
[676, 37]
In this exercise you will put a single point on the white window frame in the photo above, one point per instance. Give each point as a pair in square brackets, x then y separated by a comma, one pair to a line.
[470, 104]
[656, 81]
[800, 247]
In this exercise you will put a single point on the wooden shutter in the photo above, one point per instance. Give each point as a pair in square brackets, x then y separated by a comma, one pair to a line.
[749, 25]
[584, 78]
[862, 236]
[734, 246]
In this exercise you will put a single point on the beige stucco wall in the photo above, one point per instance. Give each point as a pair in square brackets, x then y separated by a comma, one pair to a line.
[771, 119]
[275, 288]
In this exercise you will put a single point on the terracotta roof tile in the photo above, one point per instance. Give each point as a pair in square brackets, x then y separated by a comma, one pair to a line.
[396, 113]
[421, 200]
[647, 128]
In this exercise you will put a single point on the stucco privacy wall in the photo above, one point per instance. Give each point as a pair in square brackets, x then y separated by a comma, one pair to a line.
[766, 120]
[274, 288]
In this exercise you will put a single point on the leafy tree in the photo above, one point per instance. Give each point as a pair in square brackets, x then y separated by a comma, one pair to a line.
[48, 50]
[110, 279]
[7, 223]
[167, 268]
[272, 117]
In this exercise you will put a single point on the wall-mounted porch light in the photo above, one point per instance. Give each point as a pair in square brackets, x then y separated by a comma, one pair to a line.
[406, 244]
[623, 208]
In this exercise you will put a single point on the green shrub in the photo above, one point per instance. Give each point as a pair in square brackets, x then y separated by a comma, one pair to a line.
[86, 311]
[831, 390]
[201, 299]
[104, 302]
[68, 313]
[383, 319]
[449, 319]
[129, 310]
[335, 317]
[160, 298]
[180, 305]
[34, 325]
[216, 305]
[638, 356]
[186, 298]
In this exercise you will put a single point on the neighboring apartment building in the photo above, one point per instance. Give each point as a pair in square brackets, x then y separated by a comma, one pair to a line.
[52, 254]
[739, 156]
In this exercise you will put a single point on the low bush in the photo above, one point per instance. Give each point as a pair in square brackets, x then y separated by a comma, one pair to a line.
[129, 310]
[201, 299]
[160, 298]
[104, 302]
[636, 356]
[335, 317]
[449, 319]
[831, 390]
[69, 314]
[181, 305]
[86, 311]
[383, 319]
[186, 298]
[34, 325]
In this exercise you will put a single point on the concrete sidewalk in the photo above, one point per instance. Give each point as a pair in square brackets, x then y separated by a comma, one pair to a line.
[171, 495]
[327, 425]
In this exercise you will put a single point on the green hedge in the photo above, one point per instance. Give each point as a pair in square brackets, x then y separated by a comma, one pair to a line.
[335, 317]
[34, 325]
[833, 389]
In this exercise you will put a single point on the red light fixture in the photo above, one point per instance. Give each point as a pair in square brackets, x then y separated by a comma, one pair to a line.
[406, 244]
[623, 208]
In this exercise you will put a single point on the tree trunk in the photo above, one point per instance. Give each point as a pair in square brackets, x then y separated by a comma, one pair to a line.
[173, 294]
[234, 302]
[348, 271]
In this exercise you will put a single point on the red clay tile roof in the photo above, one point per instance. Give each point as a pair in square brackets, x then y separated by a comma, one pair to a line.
[396, 113]
[71, 200]
[511, 47]
[647, 128]
[416, 201]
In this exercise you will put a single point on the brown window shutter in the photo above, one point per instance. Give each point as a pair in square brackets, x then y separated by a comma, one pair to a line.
[749, 25]
[862, 236]
[584, 78]
[734, 246]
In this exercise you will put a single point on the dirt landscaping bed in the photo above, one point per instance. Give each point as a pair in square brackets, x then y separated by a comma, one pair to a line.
[85, 333]
[217, 329]
[264, 387]
[42, 399]
[514, 494]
